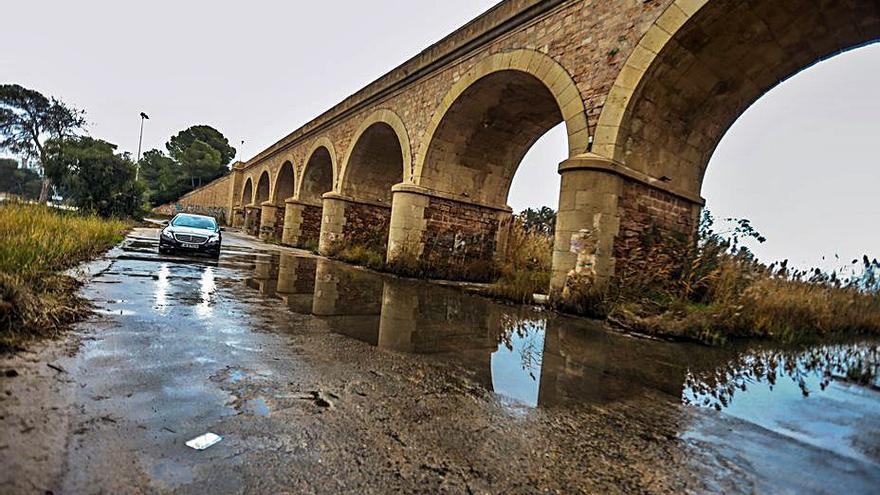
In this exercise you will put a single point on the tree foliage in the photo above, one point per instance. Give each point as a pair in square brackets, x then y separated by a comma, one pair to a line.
[541, 220]
[162, 177]
[97, 178]
[19, 181]
[196, 156]
[28, 119]
[202, 152]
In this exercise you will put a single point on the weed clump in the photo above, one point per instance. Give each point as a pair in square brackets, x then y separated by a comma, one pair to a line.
[36, 243]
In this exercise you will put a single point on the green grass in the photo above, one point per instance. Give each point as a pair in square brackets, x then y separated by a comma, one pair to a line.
[36, 244]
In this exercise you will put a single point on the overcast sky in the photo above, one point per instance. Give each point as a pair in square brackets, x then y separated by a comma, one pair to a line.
[801, 163]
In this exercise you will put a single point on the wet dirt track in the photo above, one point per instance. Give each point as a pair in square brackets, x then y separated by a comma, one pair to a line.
[326, 379]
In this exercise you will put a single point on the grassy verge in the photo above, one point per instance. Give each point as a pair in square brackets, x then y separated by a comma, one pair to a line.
[36, 244]
[715, 289]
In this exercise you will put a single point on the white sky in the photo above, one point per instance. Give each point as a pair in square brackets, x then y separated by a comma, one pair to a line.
[801, 163]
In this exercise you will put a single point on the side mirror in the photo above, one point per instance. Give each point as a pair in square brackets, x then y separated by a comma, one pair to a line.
[222, 229]
[163, 222]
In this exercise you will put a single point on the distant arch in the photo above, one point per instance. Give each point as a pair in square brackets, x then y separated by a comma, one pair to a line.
[491, 117]
[285, 182]
[542, 68]
[262, 193]
[247, 193]
[326, 143]
[318, 174]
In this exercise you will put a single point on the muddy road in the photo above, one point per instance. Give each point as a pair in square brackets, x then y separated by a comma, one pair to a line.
[322, 378]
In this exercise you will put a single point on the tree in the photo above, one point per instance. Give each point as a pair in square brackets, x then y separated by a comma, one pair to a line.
[97, 178]
[22, 182]
[162, 176]
[28, 119]
[542, 220]
[202, 152]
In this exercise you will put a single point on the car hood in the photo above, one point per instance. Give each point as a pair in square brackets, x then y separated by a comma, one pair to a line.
[190, 230]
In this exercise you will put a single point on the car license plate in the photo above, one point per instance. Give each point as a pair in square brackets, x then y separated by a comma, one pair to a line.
[189, 246]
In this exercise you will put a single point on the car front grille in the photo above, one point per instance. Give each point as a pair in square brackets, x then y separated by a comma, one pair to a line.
[194, 239]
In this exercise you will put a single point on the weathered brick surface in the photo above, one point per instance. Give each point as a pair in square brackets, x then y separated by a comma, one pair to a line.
[310, 230]
[279, 225]
[253, 222]
[367, 225]
[649, 213]
[457, 230]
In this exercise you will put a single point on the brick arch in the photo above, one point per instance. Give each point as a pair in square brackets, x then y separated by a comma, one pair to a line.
[702, 64]
[284, 185]
[264, 185]
[325, 143]
[491, 117]
[247, 192]
[381, 120]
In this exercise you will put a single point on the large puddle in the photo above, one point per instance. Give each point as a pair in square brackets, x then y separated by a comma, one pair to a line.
[824, 396]
[827, 396]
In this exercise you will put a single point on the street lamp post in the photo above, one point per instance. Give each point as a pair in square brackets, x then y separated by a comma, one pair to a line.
[140, 141]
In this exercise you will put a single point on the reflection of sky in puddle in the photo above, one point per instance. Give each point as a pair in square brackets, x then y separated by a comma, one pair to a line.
[162, 284]
[207, 286]
[516, 365]
[814, 396]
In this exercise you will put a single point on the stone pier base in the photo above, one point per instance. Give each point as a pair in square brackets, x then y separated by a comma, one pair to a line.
[440, 230]
[268, 219]
[302, 224]
[252, 215]
[349, 221]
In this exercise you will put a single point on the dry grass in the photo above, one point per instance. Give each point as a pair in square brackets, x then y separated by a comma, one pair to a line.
[526, 265]
[36, 243]
[719, 290]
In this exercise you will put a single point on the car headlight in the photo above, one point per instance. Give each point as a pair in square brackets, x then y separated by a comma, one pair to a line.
[167, 234]
[214, 238]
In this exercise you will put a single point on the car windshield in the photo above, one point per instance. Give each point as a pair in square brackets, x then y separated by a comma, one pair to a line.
[194, 222]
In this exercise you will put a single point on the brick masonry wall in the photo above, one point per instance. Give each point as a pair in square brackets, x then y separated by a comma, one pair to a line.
[279, 224]
[647, 213]
[211, 199]
[254, 227]
[310, 230]
[367, 225]
[458, 230]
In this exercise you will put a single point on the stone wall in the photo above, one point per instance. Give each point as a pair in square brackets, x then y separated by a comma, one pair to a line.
[366, 225]
[310, 229]
[252, 222]
[211, 199]
[456, 230]
[278, 231]
[648, 216]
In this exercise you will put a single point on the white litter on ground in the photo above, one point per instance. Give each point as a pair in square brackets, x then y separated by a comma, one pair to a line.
[202, 442]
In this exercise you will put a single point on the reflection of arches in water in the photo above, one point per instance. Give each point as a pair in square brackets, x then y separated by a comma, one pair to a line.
[265, 276]
[583, 362]
[296, 282]
[348, 300]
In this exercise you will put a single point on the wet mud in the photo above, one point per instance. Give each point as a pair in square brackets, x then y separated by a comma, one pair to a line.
[324, 378]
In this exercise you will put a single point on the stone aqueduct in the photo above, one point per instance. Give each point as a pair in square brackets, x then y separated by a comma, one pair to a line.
[420, 161]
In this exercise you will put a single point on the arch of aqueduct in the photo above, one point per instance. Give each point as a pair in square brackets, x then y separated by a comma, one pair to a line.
[420, 161]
